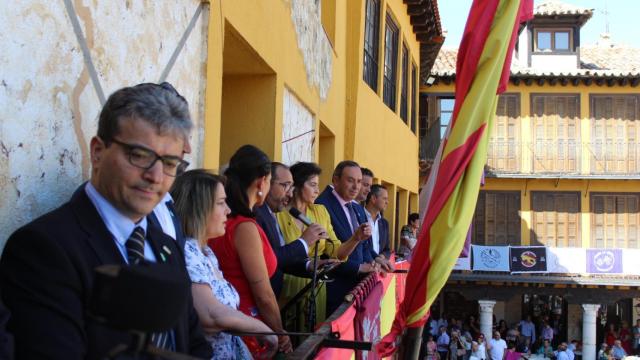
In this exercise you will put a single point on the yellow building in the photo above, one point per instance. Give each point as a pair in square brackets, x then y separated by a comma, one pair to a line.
[563, 172]
[322, 81]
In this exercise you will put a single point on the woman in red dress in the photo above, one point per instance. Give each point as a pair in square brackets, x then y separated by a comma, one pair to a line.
[244, 253]
[611, 335]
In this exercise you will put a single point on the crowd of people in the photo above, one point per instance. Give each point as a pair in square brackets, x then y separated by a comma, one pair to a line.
[231, 234]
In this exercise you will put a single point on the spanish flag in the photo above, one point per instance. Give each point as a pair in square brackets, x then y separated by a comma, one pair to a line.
[482, 72]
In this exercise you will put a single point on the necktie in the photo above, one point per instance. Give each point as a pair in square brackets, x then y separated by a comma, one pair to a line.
[280, 235]
[135, 255]
[352, 216]
[135, 246]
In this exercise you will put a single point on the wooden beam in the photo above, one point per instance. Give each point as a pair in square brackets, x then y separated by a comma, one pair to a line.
[419, 9]
[611, 82]
[599, 81]
[419, 20]
[575, 81]
[528, 81]
[564, 81]
[541, 81]
[635, 82]
[588, 81]
[553, 81]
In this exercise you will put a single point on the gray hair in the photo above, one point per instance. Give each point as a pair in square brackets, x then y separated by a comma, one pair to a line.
[194, 196]
[160, 105]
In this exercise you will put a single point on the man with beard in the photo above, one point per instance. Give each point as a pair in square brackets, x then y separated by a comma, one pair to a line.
[292, 257]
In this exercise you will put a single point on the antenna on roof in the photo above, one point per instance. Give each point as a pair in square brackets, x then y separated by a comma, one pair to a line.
[605, 12]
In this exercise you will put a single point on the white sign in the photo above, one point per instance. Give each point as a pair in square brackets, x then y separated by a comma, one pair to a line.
[566, 260]
[463, 263]
[490, 258]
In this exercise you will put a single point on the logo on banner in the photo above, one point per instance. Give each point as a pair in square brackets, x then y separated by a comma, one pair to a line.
[528, 259]
[604, 260]
[490, 258]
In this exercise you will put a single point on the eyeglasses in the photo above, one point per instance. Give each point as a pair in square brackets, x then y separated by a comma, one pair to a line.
[286, 186]
[144, 158]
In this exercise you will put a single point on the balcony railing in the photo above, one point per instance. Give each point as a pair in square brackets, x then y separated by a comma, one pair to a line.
[564, 157]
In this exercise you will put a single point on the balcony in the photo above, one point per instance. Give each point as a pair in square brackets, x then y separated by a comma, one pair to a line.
[563, 158]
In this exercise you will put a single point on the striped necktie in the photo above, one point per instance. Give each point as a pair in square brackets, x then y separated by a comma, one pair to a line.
[353, 217]
[135, 255]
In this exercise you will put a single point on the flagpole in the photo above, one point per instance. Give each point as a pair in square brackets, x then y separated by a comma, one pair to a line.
[410, 345]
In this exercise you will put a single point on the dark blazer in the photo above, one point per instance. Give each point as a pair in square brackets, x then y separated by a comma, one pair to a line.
[153, 219]
[292, 257]
[46, 276]
[346, 275]
[383, 230]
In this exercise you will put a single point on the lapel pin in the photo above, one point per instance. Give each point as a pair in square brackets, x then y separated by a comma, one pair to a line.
[163, 258]
[166, 249]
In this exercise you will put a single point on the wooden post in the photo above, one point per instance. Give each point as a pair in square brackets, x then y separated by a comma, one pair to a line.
[410, 346]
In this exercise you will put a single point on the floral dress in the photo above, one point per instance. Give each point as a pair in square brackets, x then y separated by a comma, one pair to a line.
[203, 268]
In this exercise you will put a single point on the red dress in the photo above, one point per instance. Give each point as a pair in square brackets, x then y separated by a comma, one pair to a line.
[227, 254]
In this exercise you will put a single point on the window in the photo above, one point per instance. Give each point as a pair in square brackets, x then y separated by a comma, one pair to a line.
[390, 63]
[553, 40]
[556, 133]
[614, 220]
[504, 143]
[405, 84]
[555, 219]
[497, 218]
[414, 88]
[446, 113]
[615, 134]
[371, 36]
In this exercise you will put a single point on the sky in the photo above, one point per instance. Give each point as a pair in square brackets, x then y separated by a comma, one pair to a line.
[622, 18]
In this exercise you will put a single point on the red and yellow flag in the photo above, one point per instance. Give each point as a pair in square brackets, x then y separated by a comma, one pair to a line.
[482, 72]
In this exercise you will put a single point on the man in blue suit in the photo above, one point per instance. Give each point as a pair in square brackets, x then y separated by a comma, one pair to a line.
[348, 220]
[292, 257]
[375, 205]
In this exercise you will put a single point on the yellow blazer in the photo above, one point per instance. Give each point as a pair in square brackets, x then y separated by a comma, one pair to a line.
[317, 214]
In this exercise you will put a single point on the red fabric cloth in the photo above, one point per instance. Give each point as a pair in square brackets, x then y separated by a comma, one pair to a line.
[343, 325]
[367, 320]
[227, 254]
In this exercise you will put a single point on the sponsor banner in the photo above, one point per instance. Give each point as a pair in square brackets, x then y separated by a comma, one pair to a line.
[604, 261]
[463, 263]
[566, 260]
[528, 259]
[490, 258]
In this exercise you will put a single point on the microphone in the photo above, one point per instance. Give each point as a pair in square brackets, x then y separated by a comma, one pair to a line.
[300, 216]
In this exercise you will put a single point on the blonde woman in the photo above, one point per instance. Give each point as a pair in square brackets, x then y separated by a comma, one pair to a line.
[200, 203]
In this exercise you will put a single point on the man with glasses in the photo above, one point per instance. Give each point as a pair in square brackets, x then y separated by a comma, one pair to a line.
[292, 257]
[47, 268]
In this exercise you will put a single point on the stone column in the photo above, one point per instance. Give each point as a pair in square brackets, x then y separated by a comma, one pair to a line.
[486, 317]
[589, 312]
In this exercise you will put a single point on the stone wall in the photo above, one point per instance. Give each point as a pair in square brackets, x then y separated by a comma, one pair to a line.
[60, 60]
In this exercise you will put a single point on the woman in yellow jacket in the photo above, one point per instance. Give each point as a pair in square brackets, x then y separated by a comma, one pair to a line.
[306, 177]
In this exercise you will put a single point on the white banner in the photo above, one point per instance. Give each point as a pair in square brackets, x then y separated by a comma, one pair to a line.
[631, 261]
[566, 260]
[463, 263]
[490, 258]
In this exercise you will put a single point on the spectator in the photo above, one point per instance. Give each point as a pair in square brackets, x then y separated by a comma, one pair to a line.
[546, 349]
[443, 342]
[365, 186]
[625, 337]
[617, 351]
[481, 352]
[457, 349]
[602, 353]
[200, 204]
[636, 338]
[292, 256]
[502, 328]
[408, 235]
[611, 335]
[561, 354]
[496, 347]
[547, 332]
[431, 352]
[347, 219]
[528, 330]
[511, 353]
[306, 176]
[376, 204]
[244, 253]
[47, 267]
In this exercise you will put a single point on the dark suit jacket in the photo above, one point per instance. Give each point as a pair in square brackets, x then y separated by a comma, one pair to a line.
[46, 276]
[180, 239]
[346, 275]
[292, 257]
[383, 230]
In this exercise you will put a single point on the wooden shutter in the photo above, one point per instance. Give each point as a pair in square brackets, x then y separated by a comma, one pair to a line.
[497, 218]
[555, 219]
[614, 134]
[555, 133]
[614, 220]
[504, 143]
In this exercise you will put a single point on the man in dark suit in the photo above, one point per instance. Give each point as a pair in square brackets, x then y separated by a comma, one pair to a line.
[292, 257]
[348, 220]
[47, 268]
[376, 204]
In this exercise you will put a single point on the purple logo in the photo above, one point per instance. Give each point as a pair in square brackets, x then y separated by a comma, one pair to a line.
[604, 261]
